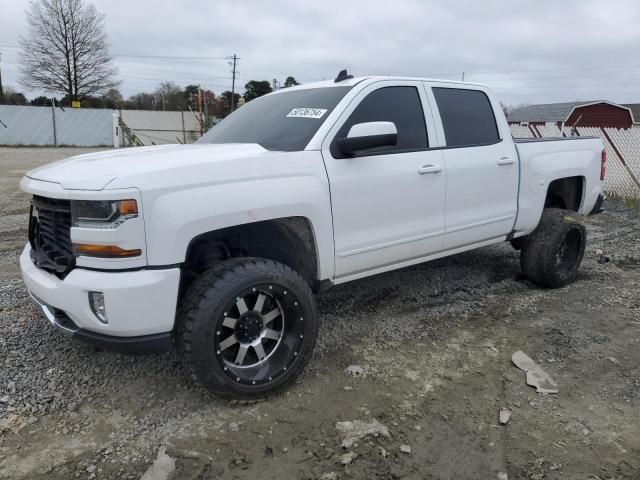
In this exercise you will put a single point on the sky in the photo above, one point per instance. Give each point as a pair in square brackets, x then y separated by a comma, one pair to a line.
[530, 52]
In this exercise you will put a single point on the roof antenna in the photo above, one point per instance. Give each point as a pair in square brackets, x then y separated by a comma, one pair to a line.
[343, 75]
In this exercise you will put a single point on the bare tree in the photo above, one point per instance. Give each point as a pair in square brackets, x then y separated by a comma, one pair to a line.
[66, 49]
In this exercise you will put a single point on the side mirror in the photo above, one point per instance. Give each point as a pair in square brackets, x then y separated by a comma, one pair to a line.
[367, 135]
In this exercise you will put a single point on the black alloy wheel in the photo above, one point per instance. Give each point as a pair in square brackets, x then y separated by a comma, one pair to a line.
[247, 327]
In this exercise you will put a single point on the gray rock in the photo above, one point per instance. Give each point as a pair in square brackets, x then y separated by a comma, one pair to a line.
[348, 458]
[356, 371]
[357, 429]
[329, 476]
[161, 468]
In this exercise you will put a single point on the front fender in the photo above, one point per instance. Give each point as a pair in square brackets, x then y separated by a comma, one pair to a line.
[173, 218]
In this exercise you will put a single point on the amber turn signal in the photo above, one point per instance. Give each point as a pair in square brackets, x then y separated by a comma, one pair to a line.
[104, 251]
[128, 207]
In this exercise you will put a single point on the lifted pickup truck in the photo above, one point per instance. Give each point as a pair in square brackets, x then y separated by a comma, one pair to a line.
[217, 247]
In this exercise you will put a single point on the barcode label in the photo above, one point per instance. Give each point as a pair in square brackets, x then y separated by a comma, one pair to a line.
[307, 113]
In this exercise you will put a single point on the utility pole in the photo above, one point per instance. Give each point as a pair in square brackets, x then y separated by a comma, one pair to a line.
[463, 76]
[233, 81]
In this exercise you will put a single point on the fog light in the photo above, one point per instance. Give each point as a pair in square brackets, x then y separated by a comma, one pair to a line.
[96, 302]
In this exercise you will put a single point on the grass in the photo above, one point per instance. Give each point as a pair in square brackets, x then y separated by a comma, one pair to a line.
[631, 202]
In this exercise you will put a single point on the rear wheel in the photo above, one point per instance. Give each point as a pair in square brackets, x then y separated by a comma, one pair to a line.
[248, 327]
[552, 253]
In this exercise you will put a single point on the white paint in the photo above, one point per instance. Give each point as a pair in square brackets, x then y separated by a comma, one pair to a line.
[368, 129]
[368, 214]
[139, 302]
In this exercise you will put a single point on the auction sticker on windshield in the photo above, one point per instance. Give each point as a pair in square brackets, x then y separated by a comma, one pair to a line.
[307, 113]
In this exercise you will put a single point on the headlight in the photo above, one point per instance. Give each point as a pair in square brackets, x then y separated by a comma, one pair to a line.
[102, 213]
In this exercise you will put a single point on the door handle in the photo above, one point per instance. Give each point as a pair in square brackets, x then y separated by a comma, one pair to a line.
[506, 161]
[429, 169]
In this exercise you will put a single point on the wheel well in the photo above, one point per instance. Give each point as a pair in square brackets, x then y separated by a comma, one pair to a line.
[565, 193]
[286, 240]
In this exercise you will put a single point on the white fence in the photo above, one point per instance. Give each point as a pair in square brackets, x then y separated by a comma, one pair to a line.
[157, 128]
[623, 153]
[93, 127]
[48, 126]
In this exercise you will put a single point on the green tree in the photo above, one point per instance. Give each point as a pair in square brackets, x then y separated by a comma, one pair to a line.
[191, 94]
[169, 96]
[255, 89]
[290, 82]
[113, 98]
[141, 101]
[223, 105]
[13, 97]
[41, 101]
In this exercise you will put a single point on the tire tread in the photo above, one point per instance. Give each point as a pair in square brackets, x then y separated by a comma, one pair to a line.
[209, 288]
[537, 258]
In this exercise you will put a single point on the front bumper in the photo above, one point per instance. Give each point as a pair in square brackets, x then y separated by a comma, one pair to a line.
[144, 344]
[140, 305]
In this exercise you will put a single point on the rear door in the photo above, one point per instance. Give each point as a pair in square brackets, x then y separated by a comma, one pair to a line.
[482, 167]
[387, 204]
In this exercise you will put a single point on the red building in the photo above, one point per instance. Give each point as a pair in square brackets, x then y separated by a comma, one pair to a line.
[599, 113]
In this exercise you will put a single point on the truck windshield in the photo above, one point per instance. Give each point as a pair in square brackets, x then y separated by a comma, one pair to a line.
[283, 122]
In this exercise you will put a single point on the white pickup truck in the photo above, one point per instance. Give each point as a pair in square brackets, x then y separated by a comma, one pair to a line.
[217, 247]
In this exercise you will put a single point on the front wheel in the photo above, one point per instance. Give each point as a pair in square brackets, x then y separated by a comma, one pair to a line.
[552, 253]
[248, 327]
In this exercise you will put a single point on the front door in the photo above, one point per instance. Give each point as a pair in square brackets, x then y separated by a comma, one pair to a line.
[387, 203]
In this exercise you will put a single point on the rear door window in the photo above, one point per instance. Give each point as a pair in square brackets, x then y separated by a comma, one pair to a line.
[400, 105]
[467, 117]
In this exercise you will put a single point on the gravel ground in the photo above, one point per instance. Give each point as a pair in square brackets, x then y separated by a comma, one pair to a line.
[418, 360]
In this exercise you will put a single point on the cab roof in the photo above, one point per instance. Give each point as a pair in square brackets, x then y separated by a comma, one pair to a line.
[370, 79]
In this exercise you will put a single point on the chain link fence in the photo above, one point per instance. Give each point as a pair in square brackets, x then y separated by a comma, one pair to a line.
[144, 127]
[22, 125]
[55, 126]
[623, 153]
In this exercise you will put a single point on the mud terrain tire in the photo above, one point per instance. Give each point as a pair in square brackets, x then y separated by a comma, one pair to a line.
[551, 254]
[248, 327]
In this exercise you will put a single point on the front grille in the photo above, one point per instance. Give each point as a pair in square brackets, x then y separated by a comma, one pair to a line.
[50, 235]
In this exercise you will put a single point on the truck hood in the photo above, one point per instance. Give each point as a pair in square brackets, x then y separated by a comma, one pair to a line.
[94, 171]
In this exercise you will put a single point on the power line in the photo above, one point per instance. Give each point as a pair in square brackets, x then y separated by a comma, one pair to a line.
[566, 69]
[138, 55]
[458, 73]
[553, 86]
[181, 82]
[167, 57]
[610, 75]
[192, 74]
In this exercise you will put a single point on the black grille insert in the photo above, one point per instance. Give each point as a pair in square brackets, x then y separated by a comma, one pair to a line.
[50, 235]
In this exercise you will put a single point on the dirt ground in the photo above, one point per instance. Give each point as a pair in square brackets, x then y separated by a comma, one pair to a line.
[425, 351]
